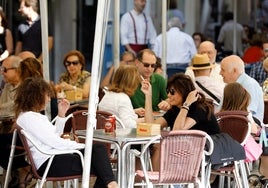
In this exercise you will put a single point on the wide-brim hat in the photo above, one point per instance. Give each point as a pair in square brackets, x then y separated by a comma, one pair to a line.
[201, 61]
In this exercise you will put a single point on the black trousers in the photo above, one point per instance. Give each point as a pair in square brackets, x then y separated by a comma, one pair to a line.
[70, 164]
[5, 147]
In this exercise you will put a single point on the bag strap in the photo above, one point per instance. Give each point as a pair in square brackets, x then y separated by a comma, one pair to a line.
[208, 92]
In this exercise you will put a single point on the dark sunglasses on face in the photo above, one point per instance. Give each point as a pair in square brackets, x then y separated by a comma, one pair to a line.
[171, 91]
[68, 63]
[148, 64]
[4, 69]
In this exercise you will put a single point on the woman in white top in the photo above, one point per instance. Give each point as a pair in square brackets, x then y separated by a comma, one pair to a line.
[117, 99]
[32, 96]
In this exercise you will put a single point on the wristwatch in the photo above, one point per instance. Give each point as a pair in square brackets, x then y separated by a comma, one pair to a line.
[186, 104]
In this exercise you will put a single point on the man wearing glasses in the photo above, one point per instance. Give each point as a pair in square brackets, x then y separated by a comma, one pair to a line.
[146, 63]
[11, 77]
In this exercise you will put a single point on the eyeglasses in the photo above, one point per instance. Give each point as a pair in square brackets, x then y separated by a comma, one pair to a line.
[148, 65]
[68, 63]
[4, 69]
[171, 91]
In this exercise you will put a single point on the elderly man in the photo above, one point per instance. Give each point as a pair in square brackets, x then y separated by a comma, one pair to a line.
[137, 29]
[208, 48]
[146, 63]
[11, 77]
[180, 47]
[233, 70]
[210, 87]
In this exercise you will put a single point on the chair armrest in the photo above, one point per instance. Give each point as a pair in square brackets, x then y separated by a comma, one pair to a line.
[153, 140]
[211, 146]
[53, 152]
[135, 152]
[68, 117]
[120, 122]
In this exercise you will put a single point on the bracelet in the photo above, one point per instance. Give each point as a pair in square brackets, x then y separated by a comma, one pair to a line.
[185, 107]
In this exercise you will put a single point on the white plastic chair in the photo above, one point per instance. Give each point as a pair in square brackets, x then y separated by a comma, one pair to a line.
[25, 138]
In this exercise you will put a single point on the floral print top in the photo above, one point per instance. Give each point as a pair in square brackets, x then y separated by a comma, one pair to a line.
[82, 79]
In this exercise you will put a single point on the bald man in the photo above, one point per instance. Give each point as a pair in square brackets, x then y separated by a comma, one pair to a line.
[26, 54]
[233, 70]
[207, 47]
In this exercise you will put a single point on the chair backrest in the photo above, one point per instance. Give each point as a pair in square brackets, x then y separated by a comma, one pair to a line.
[69, 124]
[181, 156]
[24, 136]
[236, 124]
[79, 119]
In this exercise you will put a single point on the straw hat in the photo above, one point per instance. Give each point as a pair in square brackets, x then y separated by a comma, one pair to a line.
[201, 61]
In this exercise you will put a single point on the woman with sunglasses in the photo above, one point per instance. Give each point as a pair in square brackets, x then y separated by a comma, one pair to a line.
[76, 78]
[190, 110]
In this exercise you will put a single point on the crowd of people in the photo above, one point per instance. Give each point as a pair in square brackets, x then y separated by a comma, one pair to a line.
[196, 89]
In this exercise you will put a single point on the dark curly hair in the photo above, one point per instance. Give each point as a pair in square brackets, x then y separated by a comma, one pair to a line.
[31, 95]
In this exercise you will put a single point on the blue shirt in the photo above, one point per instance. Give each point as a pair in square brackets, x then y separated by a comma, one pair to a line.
[256, 105]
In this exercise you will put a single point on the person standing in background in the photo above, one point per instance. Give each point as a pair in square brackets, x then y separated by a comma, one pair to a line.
[198, 38]
[6, 42]
[173, 11]
[180, 47]
[226, 35]
[137, 29]
[6, 39]
[29, 32]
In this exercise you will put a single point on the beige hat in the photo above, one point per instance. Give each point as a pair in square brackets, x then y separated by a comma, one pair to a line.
[201, 61]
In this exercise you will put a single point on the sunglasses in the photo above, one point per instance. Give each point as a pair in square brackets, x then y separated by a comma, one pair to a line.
[68, 63]
[148, 65]
[171, 91]
[4, 69]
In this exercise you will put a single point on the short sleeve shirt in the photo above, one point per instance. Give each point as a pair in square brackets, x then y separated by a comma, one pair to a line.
[210, 126]
[30, 36]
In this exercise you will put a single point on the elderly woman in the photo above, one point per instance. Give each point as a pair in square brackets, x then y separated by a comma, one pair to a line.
[76, 78]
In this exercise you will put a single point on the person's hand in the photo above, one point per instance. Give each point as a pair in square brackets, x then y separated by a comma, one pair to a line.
[146, 87]
[140, 111]
[63, 106]
[164, 105]
[192, 97]
[63, 85]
